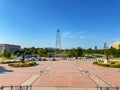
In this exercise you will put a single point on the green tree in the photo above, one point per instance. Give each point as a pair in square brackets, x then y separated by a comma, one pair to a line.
[73, 52]
[6, 54]
[33, 50]
[79, 52]
[65, 51]
[118, 52]
[112, 51]
[90, 51]
[41, 52]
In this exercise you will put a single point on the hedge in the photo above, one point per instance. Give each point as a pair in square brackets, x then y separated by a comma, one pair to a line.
[20, 64]
[7, 62]
[111, 64]
[116, 65]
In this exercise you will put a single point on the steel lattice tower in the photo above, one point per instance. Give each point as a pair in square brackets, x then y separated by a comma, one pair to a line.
[58, 43]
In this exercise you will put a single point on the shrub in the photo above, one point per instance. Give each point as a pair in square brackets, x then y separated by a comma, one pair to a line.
[112, 62]
[13, 56]
[19, 64]
[95, 62]
[102, 64]
[116, 65]
[7, 62]
[0, 55]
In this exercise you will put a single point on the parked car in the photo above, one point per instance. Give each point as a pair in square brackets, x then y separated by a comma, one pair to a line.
[89, 56]
[43, 59]
[52, 59]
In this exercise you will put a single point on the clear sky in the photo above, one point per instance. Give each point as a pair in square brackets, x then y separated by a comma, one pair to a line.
[84, 23]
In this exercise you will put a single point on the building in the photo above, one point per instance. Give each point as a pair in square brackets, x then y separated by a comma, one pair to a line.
[9, 48]
[115, 45]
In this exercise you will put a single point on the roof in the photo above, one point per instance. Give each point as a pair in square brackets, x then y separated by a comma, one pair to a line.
[115, 45]
[9, 45]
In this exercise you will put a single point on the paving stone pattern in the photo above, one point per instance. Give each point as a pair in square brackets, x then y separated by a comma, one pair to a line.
[61, 75]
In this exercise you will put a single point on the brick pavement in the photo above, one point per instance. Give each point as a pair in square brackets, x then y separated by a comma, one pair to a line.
[61, 74]
[20, 75]
[64, 73]
[110, 75]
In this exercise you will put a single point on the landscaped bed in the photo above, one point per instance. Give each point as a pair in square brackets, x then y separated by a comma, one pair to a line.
[25, 64]
[9, 61]
[17, 63]
[115, 64]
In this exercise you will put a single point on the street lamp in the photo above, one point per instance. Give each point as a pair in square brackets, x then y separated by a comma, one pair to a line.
[107, 58]
[107, 53]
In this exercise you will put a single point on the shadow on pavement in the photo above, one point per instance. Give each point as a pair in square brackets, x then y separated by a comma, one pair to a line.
[3, 70]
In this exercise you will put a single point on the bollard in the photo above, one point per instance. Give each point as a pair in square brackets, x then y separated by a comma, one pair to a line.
[100, 88]
[27, 87]
[30, 87]
[117, 88]
[11, 87]
[107, 88]
[97, 87]
[1, 87]
[20, 87]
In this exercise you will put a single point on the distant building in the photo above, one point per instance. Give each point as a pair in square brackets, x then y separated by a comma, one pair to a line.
[9, 48]
[95, 47]
[115, 45]
[105, 46]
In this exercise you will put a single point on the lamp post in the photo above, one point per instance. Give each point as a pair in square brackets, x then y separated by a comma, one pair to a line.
[23, 58]
[107, 54]
[106, 61]
[107, 58]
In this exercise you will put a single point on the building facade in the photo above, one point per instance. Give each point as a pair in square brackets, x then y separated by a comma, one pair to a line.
[9, 48]
[115, 45]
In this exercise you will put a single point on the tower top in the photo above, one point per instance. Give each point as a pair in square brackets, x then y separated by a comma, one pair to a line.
[58, 43]
[58, 30]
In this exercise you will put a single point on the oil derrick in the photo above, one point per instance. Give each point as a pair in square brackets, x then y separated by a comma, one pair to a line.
[58, 44]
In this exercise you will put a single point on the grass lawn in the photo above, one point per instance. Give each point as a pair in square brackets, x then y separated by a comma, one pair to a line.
[115, 59]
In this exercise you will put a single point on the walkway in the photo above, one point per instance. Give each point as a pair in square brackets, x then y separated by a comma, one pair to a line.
[61, 75]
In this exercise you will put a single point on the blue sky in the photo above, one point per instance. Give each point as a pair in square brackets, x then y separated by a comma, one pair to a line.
[84, 23]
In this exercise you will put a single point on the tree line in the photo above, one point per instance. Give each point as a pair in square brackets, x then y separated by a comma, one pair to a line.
[73, 52]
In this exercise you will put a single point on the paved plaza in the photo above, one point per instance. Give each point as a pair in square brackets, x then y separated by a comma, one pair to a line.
[70, 75]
